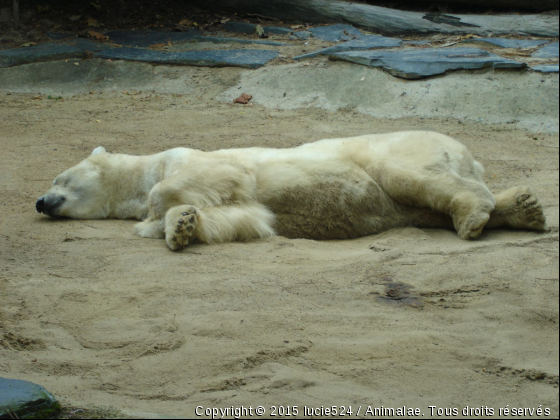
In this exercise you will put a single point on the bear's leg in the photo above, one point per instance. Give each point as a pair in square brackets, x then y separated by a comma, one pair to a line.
[225, 223]
[468, 201]
[518, 208]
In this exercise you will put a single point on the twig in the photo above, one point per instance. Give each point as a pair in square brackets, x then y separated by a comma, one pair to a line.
[13, 414]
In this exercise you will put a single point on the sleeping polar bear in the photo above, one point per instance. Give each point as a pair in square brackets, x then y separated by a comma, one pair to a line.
[330, 189]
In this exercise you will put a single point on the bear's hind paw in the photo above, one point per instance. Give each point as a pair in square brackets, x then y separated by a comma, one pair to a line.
[180, 224]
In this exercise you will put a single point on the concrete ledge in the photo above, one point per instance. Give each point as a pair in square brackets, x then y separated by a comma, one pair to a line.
[527, 100]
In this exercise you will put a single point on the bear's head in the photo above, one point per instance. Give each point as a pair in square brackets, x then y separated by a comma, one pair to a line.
[77, 193]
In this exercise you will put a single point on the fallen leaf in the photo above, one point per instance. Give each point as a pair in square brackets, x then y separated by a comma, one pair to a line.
[92, 22]
[185, 22]
[158, 45]
[29, 44]
[259, 30]
[97, 35]
[243, 99]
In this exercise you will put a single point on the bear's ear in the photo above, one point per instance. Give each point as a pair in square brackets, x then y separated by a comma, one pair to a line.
[99, 151]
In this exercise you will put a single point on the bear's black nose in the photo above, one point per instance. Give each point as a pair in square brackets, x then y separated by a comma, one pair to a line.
[40, 205]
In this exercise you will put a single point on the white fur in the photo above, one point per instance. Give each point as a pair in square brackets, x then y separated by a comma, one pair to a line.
[330, 189]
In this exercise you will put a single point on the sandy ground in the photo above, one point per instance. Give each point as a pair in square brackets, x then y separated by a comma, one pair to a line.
[103, 318]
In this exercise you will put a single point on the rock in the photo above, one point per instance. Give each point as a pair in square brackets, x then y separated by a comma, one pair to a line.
[39, 53]
[249, 28]
[336, 33]
[60, 35]
[220, 58]
[221, 40]
[304, 35]
[364, 43]
[507, 43]
[424, 42]
[388, 21]
[549, 51]
[417, 64]
[145, 38]
[21, 399]
[551, 68]
[89, 45]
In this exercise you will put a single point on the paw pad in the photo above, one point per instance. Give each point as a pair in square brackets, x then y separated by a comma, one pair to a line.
[182, 221]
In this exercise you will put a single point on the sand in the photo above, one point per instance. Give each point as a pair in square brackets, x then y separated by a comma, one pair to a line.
[409, 317]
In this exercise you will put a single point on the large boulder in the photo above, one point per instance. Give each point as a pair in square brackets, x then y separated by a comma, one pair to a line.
[25, 400]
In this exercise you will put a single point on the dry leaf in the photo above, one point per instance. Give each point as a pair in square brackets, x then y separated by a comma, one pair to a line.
[98, 35]
[243, 99]
[158, 45]
[185, 22]
[92, 22]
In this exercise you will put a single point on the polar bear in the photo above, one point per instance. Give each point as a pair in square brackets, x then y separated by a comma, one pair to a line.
[330, 189]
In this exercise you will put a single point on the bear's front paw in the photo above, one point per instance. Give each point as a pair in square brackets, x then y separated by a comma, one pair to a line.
[180, 226]
[471, 228]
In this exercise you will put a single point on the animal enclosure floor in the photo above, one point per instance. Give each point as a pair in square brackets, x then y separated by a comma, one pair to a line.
[409, 317]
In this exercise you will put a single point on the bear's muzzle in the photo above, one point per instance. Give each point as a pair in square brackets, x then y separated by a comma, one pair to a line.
[48, 205]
